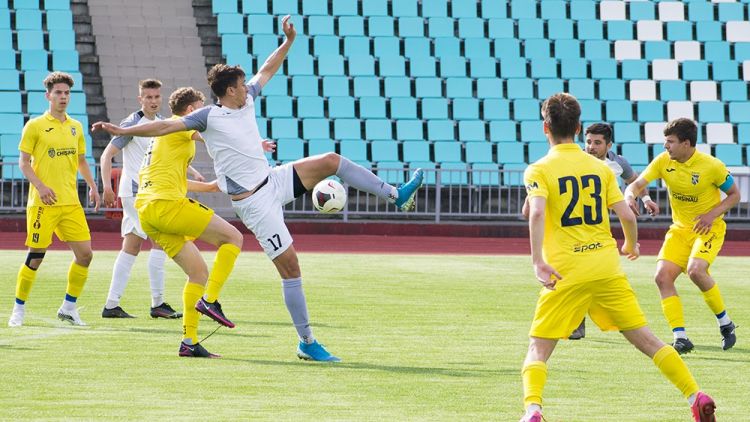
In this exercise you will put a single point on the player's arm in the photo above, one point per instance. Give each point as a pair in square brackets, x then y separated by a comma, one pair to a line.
[195, 174]
[274, 61]
[83, 168]
[158, 128]
[629, 228]
[543, 271]
[703, 222]
[651, 206]
[105, 163]
[195, 186]
[46, 194]
[632, 191]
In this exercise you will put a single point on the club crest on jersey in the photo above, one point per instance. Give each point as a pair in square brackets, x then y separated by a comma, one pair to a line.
[73, 131]
[51, 153]
[695, 177]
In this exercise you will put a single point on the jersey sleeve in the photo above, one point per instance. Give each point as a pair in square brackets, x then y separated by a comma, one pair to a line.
[536, 184]
[253, 88]
[654, 168]
[29, 138]
[197, 120]
[81, 140]
[614, 195]
[627, 170]
[121, 141]
[720, 176]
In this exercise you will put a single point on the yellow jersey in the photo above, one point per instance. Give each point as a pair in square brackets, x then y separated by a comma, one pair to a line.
[54, 147]
[693, 186]
[579, 189]
[163, 174]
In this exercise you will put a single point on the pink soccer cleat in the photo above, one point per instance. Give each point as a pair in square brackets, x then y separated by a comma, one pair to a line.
[535, 417]
[703, 408]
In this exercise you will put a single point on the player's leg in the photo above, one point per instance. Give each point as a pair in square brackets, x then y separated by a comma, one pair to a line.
[159, 308]
[534, 374]
[672, 261]
[74, 230]
[312, 170]
[579, 332]
[24, 282]
[131, 246]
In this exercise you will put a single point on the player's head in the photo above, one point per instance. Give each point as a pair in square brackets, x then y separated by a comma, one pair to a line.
[149, 96]
[228, 84]
[185, 100]
[562, 118]
[599, 140]
[58, 86]
[680, 136]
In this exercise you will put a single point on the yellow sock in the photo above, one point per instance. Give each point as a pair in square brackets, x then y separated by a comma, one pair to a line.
[77, 275]
[191, 294]
[223, 265]
[534, 377]
[713, 299]
[673, 367]
[24, 281]
[672, 307]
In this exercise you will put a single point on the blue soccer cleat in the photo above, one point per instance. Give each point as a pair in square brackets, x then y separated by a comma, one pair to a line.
[315, 351]
[406, 192]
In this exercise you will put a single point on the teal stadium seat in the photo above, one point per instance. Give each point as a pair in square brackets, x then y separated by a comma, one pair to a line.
[553, 9]
[734, 91]
[680, 31]
[526, 109]
[441, 130]
[62, 39]
[218, 6]
[741, 51]
[330, 65]
[483, 67]
[300, 65]
[380, 26]
[530, 28]
[371, 108]
[259, 24]
[304, 86]
[731, 11]
[695, 70]
[454, 173]
[310, 107]
[672, 91]
[230, 23]
[465, 109]
[575, 68]
[580, 10]
[56, 5]
[471, 131]
[478, 152]
[590, 30]
[485, 174]
[403, 108]
[544, 68]
[510, 153]
[583, 89]
[520, 88]
[724, 70]
[743, 134]
[503, 131]
[501, 29]
[347, 129]
[618, 110]
[636, 154]
[708, 30]
[404, 8]
[385, 46]
[417, 47]
[650, 111]
[603, 69]
[453, 67]
[596, 49]
[284, 128]
[490, 10]
[335, 86]
[9, 80]
[434, 108]
[458, 88]
[447, 152]
[309, 7]
[730, 154]
[29, 19]
[717, 51]
[31, 39]
[341, 108]
[560, 29]
[428, 87]
[416, 151]
[422, 67]
[351, 26]
[739, 112]
[476, 48]
[276, 86]
[357, 46]
[537, 150]
[375, 8]
[320, 25]
[440, 27]
[567, 49]
[320, 146]
[591, 110]
[385, 151]
[344, 7]
[513, 68]
[700, 11]
[496, 109]
[397, 86]
[471, 28]
[289, 149]
[658, 49]
[362, 66]
[489, 88]
[378, 130]
[711, 112]
[548, 87]
[639, 11]
[262, 126]
[512, 172]
[619, 30]
[65, 60]
[366, 86]
[11, 121]
[409, 130]
[612, 89]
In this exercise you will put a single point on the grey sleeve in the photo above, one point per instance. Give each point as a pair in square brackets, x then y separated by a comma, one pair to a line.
[253, 89]
[627, 170]
[197, 120]
[132, 120]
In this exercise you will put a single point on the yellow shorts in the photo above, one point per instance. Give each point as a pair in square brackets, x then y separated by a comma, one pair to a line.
[172, 223]
[68, 222]
[682, 244]
[610, 302]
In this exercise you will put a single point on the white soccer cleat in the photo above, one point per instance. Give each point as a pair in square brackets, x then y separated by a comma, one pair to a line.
[70, 316]
[16, 318]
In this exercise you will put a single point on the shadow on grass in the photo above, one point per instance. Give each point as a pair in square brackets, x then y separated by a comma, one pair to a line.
[227, 332]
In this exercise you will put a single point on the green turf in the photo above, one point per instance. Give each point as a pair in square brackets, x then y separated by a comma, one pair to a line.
[422, 338]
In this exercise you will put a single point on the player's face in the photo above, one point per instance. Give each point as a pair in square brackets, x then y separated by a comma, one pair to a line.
[240, 92]
[59, 97]
[677, 150]
[597, 146]
[150, 100]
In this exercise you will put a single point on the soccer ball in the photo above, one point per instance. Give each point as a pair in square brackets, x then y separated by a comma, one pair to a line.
[329, 196]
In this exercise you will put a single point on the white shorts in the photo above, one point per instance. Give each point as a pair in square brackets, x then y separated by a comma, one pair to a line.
[130, 221]
[263, 212]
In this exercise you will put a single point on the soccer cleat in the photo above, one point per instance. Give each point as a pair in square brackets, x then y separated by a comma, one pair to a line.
[703, 408]
[534, 417]
[315, 351]
[683, 345]
[406, 192]
[728, 338]
[165, 311]
[70, 316]
[579, 332]
[116, 312]
[213, 311]
[195, 351]
[16, 318]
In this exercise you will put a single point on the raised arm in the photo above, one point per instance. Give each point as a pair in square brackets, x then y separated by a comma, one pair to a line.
[158, 128]
[274, 61]
[632, 191]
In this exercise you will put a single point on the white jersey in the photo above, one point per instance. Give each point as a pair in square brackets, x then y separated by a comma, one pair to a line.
[133, 150]
[234, 142]
[619, 165]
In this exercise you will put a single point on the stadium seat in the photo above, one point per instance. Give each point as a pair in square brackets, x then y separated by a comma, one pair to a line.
[532, 131]
[330, 65]
[309, 7]
[11, 122]
[560, 29]
[218, 6]
[591, 110]
[310, 107]
[743, 134]
[544, 68]
[526, 109]
[626, 50]
[453, 67]
[351, 26]
[471, 28]
[724, 71]
[362, 66]
[679, 31]
[276, 106]
[344, 7]
[596, 49]
[520, 88]
[385, 46]
[672, 90]
[654, 132]
[372, 108]
[403, 108]
[366, 86]
[567, 49]
[289, 149]
[378, 130]
[428, 87]
[320, 146]
[356, 151]
[513, 68]
[305, 86]
[453, 173]
[665, 69]
[471, 131]
[694, 70]
[409, 130]
[553, 9]
[440, 27]
[611, 89]
[320, 25]
[465, 109]
[441, 130]
[485, 174]
[530, 28]
[583, 89]
[636, 154]
[448, 47]
[341, 107]
[650, 111]
[501, 29]
[577, 68]
[661, 50]
[496, 109]
[619, 30]
[618, 110]
[461, 88]
[418, 47]
[476, 48]
[548, 87]
[603, 69]
[300, 65]
[347, 129]
[719, 133]
[730, 154]
[416, 151]
[284, 128]
[677, 109]
[635, 69]
[434, 108]
[739, 112]
[404, 8]
[380, 26]
[447, 152]
[537, 150]
[691, 50]
[711, 112]
[385, 151]
[397, 86]
[458, 11]
[716, 51]
[422, 67]
[642, 90]
[503, 131]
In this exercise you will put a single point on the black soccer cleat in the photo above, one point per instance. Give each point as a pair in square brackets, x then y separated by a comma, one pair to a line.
[579, 332]
[195, 351]
[213, 311]
[165, 311]
[116, 312]
[728, 338]
[683, 345]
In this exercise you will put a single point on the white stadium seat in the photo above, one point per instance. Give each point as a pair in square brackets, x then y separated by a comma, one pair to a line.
[650, 31]
[746, 70]
[704, 148]
[719, 133]
[742, 182]
[642, 90]
[687, 50]
[654, 132]
[703, 91]
[612, 10]
[738, 31]
[671, 11]
[627, 50]
[665, 69]
[677, 109]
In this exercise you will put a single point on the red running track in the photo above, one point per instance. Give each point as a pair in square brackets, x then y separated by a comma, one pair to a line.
[378, 244]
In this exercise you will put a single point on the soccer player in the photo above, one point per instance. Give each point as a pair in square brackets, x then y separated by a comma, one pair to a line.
[53, 151]
[258, 191]
[575, 259]
[694, 181]
[133, 150]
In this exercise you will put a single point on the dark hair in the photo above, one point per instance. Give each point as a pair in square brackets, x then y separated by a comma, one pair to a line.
[149, 84]
[181, 98]
[684, 129]
[603, 129]
[57, 78]
[562, 114]
[222, 76]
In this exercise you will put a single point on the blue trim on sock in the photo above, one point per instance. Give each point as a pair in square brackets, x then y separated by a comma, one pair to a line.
[678, 329]
[20, 302]
[721, 314]
[69, 298]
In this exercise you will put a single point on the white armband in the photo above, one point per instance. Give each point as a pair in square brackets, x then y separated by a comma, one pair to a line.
[645, 198]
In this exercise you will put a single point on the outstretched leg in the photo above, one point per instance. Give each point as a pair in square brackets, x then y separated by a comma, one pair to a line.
[534, 375]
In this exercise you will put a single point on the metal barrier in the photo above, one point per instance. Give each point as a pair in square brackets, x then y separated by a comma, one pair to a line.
[447, 195]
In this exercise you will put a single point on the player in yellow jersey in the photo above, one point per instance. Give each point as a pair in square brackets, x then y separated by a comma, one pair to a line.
[694, 181]
[53, 151]
[575, 258]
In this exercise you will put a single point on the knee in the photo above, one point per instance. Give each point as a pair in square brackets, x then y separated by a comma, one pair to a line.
[696, 272]
[198, 272]
[289, 267]
[84, 258]
[332, 161]
[663, 280]
[235, 237]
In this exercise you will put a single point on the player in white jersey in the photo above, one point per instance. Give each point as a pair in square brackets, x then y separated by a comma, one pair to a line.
[259, 191]
[133, 150]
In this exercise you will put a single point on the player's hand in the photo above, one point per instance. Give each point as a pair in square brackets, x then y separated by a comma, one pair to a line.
[632, 252]
[108, 197]
[94, 198]
[703, 223]
[632, 204]
[198, 176]
[106, 126]
[268, 145]
[651, 207]
[47, 195]
[546, 275]
[288, 27]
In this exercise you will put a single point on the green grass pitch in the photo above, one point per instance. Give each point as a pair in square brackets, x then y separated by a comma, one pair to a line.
[423, 338]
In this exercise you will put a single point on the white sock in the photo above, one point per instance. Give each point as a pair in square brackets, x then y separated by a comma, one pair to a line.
[692, 398]
[724, 320]
[679, 334]
[156, 260]
[120, 275]
[17, 307]
[68, 306]
[531, 409]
